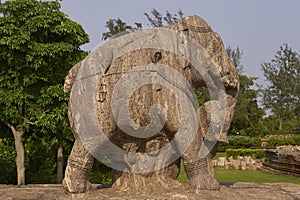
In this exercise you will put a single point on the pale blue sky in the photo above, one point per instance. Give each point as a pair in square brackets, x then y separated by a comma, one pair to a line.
[258, 27]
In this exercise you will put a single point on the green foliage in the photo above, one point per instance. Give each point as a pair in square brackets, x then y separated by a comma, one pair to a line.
[202, 95]
[38, 45]
[101, 174]
[247, 119]
[101, 177]
[254, 153]
[158, 20]
[297, 140]
[280, 141]
[7, 162]
[40, 159]
[282, 95]
[117, 27]
[236, 142]
[54, 101]
[182, 177]
[236, 56]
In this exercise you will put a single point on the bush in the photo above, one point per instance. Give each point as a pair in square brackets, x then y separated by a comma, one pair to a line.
[8, 174]
[281, 141]
[255, 142]
[254, 153]
[40, 160]
[238, 142]
[297, 140]
[101, 174]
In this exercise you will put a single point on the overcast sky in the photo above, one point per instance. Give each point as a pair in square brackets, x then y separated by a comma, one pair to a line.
[258, 27]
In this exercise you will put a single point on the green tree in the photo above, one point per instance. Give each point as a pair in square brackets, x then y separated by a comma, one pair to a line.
[248, 115]
[158, 20]
[38, 44]
[281, 95]
[53, 119]
[117, 26]
[236, 56]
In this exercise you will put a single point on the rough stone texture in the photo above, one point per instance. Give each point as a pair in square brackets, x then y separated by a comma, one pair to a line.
[232, 191]
[242, 162]
[283, 159]
[199, 171]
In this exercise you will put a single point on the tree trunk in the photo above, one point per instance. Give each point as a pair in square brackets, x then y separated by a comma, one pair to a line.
[20, 154]
[280, 123]
[60, 158]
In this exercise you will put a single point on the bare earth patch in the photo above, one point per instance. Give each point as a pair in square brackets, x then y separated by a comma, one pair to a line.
[230, 191]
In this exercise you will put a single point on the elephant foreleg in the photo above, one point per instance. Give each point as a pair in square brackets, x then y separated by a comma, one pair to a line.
[197, 168]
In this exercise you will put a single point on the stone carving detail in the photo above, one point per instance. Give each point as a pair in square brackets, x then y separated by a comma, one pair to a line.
[141, 103]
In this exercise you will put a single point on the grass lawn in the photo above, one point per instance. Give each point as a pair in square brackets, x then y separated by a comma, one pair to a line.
[257, 176]
[219, 154]
[232, 175]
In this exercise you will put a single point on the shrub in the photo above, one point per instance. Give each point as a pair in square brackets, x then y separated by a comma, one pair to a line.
[8, 173]
[254, 153]
[238, 142]
[297, 140]
[101, 174]
[282, 141]
[40, 162]
[98, 177]
[255, 142]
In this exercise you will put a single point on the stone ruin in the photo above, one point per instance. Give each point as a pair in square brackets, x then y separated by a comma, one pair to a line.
[92, 84]
[240, 163]
[283, 160]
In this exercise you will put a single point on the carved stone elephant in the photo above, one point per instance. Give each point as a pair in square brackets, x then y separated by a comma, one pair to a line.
[151, 65]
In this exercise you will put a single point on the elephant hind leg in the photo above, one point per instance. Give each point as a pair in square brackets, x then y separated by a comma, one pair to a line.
[79, 166]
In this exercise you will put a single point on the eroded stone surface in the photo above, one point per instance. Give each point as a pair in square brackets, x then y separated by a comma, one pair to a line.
[94, 103]
[232, 191]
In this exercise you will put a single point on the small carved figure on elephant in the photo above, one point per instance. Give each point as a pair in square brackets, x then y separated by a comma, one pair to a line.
[144, 121]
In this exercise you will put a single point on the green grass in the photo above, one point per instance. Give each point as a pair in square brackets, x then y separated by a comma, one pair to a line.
[182, 178]
[257, 176]
[219, 154]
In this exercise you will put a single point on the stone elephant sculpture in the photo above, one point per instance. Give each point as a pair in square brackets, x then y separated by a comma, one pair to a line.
[152, 56]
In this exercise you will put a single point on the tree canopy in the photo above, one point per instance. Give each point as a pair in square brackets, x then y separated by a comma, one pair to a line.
[282, 94]
[38, 45]
[247, 119]
[156, 19]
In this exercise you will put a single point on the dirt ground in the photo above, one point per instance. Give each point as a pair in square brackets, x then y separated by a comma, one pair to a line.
[232, 191]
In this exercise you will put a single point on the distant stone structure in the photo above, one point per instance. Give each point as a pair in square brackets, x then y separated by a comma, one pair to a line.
[141, 101]
[283, 159]
[240, 163]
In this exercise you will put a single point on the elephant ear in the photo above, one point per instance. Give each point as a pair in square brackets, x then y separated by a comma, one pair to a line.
[70, 78]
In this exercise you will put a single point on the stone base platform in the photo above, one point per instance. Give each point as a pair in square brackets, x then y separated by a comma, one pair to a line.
[232, 191]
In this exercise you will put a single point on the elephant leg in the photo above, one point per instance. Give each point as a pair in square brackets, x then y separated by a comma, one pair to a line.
[209, 159]
[198, 169]
[79, 166]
